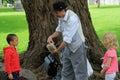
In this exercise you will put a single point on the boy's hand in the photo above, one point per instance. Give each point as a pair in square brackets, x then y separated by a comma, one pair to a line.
[20, 74]
[10, 76]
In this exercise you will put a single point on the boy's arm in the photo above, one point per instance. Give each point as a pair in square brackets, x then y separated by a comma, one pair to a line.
[107, 65]
[7, 57]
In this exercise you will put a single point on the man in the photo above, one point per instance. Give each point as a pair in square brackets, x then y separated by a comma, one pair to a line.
[74, 55]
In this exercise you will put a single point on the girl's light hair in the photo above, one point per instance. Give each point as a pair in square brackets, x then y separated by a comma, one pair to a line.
[110, 40]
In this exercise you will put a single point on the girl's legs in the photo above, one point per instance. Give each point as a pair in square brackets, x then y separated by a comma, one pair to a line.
[110, 76]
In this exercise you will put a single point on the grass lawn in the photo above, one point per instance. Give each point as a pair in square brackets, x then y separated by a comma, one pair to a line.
[13, 22]
[106, 18]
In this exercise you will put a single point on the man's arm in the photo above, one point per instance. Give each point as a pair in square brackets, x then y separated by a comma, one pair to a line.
[55, 34]
[50, 38]
[62, 45]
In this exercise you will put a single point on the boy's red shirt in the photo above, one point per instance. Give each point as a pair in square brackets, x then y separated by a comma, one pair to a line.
[11, 60]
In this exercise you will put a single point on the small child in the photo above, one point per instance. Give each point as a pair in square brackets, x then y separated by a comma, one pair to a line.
[110, 62]
[11, 58]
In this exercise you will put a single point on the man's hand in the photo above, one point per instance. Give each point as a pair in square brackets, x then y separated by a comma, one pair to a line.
[10, 76]
[56, 51]
[62, 45]
[50, 40]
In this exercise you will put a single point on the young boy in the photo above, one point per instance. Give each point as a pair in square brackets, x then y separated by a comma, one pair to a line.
[11, 58]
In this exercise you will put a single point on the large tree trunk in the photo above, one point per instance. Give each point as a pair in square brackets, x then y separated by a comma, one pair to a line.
[42, 24]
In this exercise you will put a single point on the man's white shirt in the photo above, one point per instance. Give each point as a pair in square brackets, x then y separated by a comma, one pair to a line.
[71, 29]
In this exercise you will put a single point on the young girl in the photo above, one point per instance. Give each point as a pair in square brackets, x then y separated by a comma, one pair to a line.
[11, 58]
[110, 62]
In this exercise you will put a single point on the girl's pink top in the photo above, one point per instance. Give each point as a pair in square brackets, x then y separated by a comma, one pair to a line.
[114, 63]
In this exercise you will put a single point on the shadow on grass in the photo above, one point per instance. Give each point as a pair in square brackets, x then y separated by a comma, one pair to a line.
[104, 6]
[5, 9]
[110, 6]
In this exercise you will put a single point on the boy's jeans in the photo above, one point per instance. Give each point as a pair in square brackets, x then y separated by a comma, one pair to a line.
[15, 76]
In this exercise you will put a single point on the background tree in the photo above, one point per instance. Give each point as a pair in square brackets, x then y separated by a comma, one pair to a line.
[41, 24]
[98, 3]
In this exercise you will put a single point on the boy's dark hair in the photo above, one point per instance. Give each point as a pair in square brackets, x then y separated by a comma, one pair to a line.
[58, 6]
[10, 37]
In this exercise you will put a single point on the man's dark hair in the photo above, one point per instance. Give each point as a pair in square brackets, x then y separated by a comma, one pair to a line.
[10, 37]
[58, 6]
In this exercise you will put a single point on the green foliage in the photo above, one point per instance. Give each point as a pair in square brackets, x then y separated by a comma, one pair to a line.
[9, 1]
[4, 3]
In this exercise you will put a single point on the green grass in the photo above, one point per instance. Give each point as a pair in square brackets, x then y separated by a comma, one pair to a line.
[105, 19]
[13, 22]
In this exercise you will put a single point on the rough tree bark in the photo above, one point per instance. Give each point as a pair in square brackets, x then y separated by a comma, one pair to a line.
[41, 24]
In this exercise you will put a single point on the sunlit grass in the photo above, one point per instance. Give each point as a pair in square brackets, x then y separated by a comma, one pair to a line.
[13, 22]
[106, 19]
